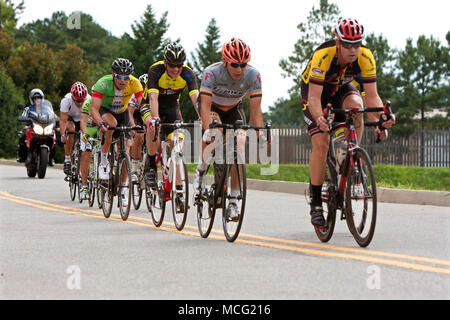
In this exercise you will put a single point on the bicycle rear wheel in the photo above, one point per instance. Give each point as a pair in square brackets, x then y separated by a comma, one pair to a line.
[91, 182]
[180, 197]
[72, 178]
[361, 198]
[329, 199]
[154, 197]
[123, 190]
[233, 200]
[137, 189]
[206, 209]
[107, 187]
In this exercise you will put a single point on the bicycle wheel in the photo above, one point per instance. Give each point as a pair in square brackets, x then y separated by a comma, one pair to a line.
[206, 209]
[72, 180]
[180, 197]
[90, 181]
[233, 201]
[96, 180]
[329, 192]
[78, 175]
[124, 184]
[137, 189]
[361, 198]
[154, 198]
[107, 187]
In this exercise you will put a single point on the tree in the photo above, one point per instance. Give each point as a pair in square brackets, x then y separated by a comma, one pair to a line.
[209, 51]
[317, 29]
[148, 41]
[34, 65]
[9, 14]
[423, 78]
[10, 97]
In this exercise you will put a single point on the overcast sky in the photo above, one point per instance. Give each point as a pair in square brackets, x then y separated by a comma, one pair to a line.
[269, 27]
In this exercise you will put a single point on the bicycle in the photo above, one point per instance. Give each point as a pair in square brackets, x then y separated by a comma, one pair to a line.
[349, 183]
[219, 192]
[74, 178]
[119, 166]
[173, 170]
[138, 186]
[92, 180]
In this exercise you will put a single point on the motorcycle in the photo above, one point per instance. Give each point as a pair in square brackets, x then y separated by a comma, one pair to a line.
[40, 138]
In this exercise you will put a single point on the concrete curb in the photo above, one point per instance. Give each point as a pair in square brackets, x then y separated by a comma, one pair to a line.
[418, 197]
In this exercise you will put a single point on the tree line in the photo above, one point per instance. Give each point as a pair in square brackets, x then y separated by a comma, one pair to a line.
[48, 55]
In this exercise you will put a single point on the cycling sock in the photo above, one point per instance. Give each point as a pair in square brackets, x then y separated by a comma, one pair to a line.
[152, 161]
[67, 158]
[234, 194]
[316, 195]
[134, 164]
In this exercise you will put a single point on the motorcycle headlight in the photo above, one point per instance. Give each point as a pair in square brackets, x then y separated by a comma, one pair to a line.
[48, 130]
[38, 129]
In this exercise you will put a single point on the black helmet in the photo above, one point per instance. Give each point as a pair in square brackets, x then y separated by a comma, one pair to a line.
[122, 66]
[174, 53]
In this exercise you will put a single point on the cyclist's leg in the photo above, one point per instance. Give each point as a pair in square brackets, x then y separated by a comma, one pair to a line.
[136, 148]
[348, 96]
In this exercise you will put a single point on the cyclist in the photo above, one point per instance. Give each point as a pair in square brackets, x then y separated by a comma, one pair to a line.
[330, 78]
[109, 107]
[70, 110]
[36, 98]
[88, 130]
[166, 80]
[222, 89]
[138, 139]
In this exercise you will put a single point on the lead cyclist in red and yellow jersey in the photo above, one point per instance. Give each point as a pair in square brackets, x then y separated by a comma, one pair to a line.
[329, 78]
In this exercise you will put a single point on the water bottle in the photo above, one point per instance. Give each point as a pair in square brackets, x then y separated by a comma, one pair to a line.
[341, 152]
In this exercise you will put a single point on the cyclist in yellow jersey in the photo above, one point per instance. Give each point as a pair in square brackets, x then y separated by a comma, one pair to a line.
[166, 79]
[329, 78]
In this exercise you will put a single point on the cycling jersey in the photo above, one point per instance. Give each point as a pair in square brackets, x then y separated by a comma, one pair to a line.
[113, 99]
[323, 69]
[226, 92]
[86, 108]
[69, 106]
[169, 89]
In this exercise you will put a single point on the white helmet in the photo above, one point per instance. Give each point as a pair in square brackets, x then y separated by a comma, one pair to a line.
[36, 93]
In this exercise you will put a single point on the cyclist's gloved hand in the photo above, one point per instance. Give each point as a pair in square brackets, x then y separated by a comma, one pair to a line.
[209, 135]
[85, 137]
[63, 138]
[153, 121]
[103, 126]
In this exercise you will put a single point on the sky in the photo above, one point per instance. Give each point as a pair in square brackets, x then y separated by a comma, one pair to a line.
[268, 27]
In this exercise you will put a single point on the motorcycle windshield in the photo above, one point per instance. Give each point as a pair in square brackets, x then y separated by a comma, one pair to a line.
[45, 113]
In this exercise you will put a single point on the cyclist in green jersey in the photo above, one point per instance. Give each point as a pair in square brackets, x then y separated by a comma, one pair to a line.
[88, 130]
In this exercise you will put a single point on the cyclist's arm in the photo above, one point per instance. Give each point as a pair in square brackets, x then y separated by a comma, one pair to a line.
[206, 101]
[83, 122]
[95, 109]
[372, 100]
[194, 98]
[154, 104]
[256, 115]
[63, 116]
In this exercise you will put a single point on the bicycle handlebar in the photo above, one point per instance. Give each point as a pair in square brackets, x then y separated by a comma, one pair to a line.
[239, 124]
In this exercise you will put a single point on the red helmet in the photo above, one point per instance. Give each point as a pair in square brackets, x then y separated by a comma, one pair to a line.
[78, 91]
[236, 51]
[349, 30]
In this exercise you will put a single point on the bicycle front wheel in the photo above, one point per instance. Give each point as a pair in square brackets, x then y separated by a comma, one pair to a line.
[124, 185]
[329, 199]
[154, 197]
[107, 188]
[361, 198]
[204, 200]
[233, 201]
[180, 196]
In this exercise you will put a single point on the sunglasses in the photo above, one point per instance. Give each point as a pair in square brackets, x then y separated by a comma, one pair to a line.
[237, 65]
[171, 65]
[78, 101]
[34, 98]
[348, 45]
[127, 77]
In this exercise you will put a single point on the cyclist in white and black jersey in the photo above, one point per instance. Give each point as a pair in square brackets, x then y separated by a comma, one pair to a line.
[224, 85]
[70, 111]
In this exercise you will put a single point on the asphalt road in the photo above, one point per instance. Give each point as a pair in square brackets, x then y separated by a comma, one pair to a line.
[53, 248]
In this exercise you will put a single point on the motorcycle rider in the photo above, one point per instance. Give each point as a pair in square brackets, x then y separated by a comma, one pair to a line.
[36, 98]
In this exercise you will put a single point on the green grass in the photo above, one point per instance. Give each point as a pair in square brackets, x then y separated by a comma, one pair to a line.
[389, 176]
